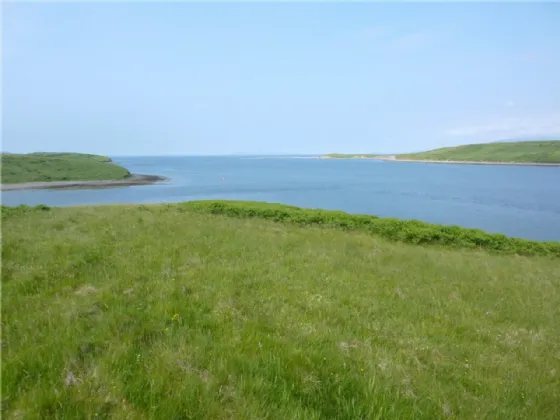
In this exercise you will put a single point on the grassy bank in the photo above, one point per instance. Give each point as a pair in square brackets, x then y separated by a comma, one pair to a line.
[169, 311]
[519, 152]
[45, 167]
[406, 231]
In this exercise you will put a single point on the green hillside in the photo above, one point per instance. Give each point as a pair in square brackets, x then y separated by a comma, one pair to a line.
[522, 152]
[44, 167]
[99, 158]
[251, 311]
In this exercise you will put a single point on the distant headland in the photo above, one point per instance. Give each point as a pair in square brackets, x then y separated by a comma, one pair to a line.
[66, 170]
[541, 153]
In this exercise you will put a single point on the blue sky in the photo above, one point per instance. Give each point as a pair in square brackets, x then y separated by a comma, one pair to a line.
[216, 78]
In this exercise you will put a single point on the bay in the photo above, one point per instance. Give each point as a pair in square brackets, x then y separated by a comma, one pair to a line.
[521, 201]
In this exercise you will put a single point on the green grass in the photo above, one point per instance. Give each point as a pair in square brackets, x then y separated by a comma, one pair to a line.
[408, 231]
[44, 167]
[522, 152]
[170, 312]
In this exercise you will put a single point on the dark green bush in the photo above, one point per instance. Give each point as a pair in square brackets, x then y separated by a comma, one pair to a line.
[22, 208]
[409, 231]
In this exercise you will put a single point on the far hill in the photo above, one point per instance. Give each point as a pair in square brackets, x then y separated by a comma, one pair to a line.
[46, 167]
[511, 152]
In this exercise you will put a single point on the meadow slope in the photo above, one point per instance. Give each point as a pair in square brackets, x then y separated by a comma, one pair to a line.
[169, 311]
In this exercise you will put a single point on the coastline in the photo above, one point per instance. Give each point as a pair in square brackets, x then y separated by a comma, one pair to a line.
[450, 162]
[135, 179]
[466, 162]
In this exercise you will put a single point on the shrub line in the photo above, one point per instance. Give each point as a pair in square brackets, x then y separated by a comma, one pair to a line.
[407, 231]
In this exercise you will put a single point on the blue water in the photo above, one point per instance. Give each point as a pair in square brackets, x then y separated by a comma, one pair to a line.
[521, 201]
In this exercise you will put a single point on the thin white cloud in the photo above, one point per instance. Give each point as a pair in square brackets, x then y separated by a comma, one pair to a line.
[543, 125]
[510, 104]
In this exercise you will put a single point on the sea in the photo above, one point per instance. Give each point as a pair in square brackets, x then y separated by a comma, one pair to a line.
[519, 201]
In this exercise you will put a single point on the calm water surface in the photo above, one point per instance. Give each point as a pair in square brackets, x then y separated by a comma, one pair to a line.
[521, 201]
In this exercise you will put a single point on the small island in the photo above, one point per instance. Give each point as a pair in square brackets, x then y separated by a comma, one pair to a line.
[542, 153]
[66, 170]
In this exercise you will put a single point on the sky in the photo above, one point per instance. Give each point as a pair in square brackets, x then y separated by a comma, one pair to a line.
[143, 78]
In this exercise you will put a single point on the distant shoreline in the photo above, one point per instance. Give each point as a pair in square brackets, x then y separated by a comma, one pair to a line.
[515, 153]
[451, 162]
[466, 162]
[130, 181]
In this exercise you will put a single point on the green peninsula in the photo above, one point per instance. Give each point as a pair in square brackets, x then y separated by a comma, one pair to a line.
[520, 152]
[48, 167]
[507, 152]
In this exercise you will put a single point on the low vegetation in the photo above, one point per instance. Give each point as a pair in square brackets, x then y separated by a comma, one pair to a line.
[408, 231]
[45, 167]
[181, 311]
[522, 152]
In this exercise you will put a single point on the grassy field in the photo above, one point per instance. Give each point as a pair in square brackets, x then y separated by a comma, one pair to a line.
[171, 312]
[523, 152]
[44, 167]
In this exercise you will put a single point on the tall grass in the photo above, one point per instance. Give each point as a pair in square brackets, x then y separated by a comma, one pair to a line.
[168, 312]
